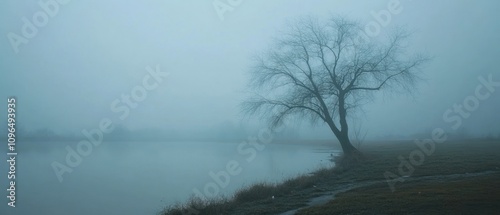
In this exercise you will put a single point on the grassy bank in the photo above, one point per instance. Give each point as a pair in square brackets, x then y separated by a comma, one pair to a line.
[474, 195]
[260, 198]
[419, 193]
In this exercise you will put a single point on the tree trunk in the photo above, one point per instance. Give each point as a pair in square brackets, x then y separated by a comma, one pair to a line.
[345, 142]
[347, 147]
[351, 155]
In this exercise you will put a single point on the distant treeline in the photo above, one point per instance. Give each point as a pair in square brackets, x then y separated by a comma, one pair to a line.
[225, 133]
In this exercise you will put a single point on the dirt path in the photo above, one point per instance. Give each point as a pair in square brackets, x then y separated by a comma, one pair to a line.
[328, 196]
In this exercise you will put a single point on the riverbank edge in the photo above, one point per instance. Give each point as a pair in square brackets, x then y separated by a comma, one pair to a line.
[460, 157]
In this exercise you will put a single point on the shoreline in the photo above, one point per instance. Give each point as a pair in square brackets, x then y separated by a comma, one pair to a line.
[463, 159]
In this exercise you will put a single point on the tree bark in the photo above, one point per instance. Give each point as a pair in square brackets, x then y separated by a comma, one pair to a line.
[343, 137]
[347, 147]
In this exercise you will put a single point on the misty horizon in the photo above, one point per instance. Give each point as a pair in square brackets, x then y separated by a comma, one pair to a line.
[250, 107]
[73, 88]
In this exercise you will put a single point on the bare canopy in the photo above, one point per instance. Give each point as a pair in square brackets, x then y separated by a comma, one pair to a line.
[322, 70]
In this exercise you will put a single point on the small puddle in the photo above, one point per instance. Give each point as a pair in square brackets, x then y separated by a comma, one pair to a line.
[328, 196]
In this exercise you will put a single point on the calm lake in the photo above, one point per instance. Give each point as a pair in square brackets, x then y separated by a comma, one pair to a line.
[141, 178]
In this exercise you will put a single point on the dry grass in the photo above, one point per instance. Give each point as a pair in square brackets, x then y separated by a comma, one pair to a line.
[457, 157]
[475, 195]
[256, 192]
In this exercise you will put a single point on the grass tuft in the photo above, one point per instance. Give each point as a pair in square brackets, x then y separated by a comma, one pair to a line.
[256, 192]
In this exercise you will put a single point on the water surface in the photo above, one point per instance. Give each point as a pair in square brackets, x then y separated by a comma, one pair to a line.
[141, 178]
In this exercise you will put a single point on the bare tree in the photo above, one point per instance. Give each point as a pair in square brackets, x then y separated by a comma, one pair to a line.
[323, 70]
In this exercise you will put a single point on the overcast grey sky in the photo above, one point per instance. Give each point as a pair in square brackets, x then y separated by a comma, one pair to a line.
[91, 52]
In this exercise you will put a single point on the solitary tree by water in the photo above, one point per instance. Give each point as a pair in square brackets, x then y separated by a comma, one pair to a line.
[323, 70]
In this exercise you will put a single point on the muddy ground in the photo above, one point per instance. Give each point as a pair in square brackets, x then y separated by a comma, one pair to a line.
[459, 177]
[394, 177]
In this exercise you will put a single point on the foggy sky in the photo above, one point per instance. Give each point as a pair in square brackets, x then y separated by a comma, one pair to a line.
[91, 52]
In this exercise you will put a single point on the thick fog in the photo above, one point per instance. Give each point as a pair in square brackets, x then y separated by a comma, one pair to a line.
[90, 53]
[168, 78]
